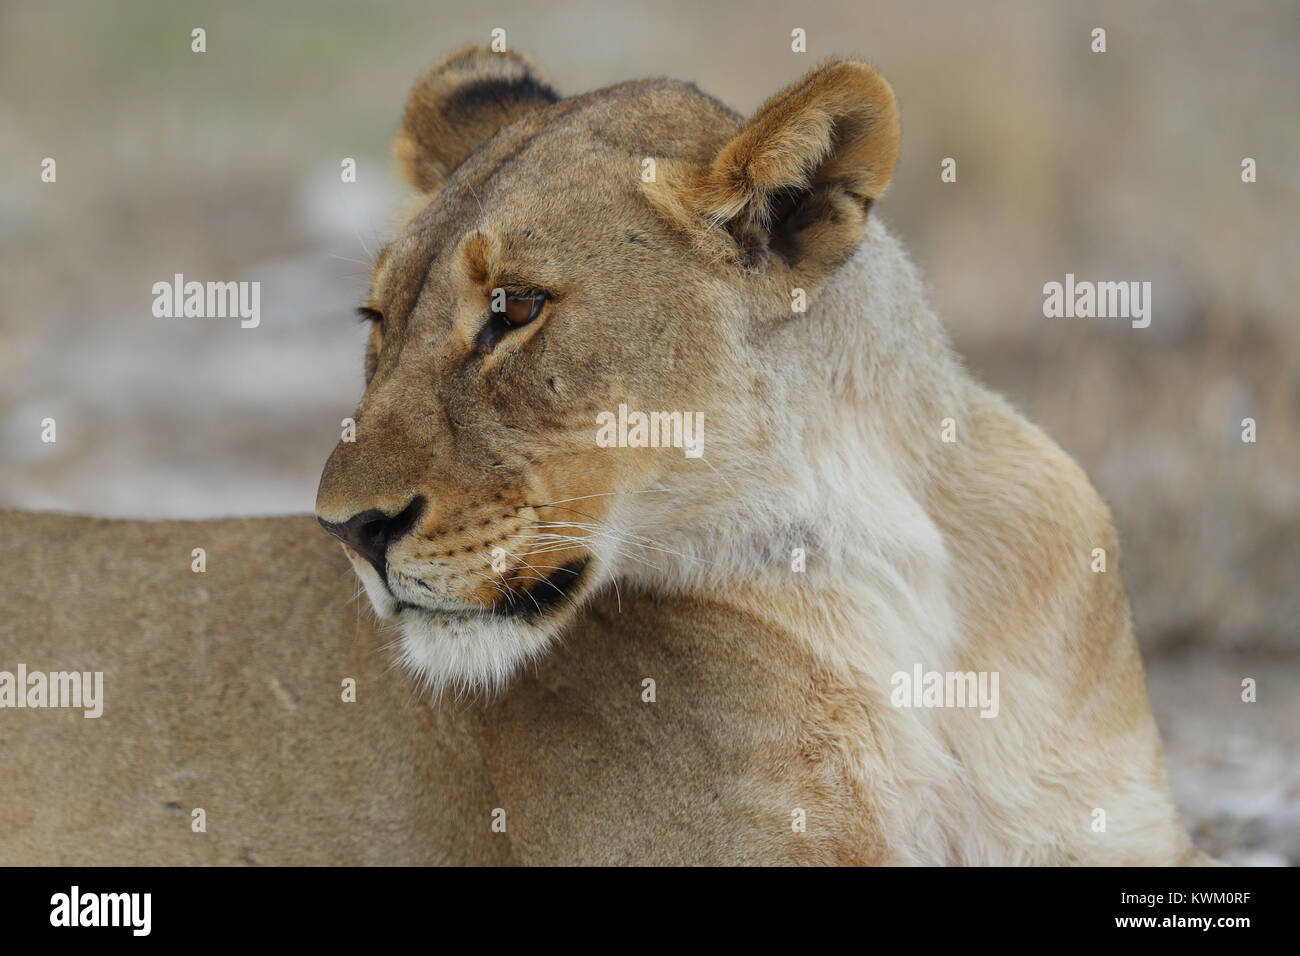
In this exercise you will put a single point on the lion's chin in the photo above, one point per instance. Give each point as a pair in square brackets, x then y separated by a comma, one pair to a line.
[473, 654]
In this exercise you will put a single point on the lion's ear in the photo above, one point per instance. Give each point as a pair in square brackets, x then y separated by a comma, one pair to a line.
[799, 178]
[458, 104]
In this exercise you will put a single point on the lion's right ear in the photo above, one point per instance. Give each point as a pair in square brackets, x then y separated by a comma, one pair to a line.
[458, 104]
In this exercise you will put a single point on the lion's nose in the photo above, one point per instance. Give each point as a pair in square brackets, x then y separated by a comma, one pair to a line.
[369, 533]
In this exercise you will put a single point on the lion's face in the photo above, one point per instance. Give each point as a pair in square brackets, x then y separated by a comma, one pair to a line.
[553, 287]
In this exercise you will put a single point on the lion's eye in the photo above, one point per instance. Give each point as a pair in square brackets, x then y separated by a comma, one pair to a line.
[522, 309]
[509, 312]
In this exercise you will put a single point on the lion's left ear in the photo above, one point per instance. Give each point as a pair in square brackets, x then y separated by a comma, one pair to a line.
[458, 105]
[799, 178]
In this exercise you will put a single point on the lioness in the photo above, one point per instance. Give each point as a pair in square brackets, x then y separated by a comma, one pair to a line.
[622, 652]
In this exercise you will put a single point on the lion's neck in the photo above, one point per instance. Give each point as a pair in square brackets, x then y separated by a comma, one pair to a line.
[824, 525]
[824, 529]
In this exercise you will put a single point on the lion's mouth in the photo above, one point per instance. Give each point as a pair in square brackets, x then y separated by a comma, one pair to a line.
[541, 597]
[531, 600]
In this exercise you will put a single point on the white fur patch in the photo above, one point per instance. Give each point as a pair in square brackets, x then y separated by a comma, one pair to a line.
[467, 654]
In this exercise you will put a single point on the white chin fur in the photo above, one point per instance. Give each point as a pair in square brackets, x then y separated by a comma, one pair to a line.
[468, 655]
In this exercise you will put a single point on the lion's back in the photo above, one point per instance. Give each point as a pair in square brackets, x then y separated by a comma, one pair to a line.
[223, 691]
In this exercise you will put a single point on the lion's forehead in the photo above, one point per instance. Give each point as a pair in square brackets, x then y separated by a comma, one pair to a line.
[580, 154]
[560, 192]
[665, 118]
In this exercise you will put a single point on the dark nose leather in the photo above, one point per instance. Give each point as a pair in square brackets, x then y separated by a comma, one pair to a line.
[369, 533]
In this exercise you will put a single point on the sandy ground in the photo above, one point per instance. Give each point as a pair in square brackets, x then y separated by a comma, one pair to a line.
[1233, 765]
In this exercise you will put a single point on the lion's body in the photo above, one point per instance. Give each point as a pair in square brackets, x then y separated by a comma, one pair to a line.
[860, 509]
[223, 691]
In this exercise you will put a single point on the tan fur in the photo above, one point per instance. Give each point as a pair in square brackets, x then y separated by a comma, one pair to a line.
[223, 691]
[822, 434]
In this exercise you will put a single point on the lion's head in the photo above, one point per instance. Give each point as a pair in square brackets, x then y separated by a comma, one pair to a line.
[576, 264]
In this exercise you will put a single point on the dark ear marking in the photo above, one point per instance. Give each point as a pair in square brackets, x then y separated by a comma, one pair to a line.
[494, 94]
[458, 105]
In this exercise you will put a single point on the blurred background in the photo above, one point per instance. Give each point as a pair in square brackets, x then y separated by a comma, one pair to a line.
[1126, 165]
